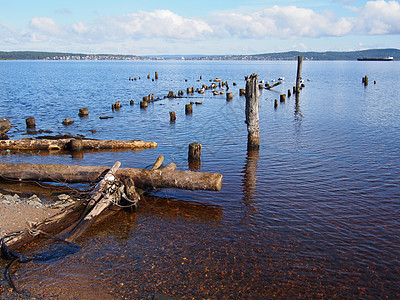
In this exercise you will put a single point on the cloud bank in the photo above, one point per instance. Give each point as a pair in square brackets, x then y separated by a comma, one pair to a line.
[378, 17]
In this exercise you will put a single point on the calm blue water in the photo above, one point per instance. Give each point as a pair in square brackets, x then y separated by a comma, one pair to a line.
[313, 214]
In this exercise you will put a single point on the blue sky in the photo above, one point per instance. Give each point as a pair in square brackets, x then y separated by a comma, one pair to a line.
[202, 27]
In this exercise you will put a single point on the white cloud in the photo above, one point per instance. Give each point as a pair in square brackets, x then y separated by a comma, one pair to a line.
[155, 24]
[378, 18]
[151, 28]
[288, 22]
[47, 26]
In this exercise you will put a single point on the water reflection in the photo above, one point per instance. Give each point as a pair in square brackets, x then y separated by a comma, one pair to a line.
[298, 115]
[250, 181]
[63, 153]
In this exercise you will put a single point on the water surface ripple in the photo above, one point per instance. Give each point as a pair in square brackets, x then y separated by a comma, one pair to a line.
[313, 214]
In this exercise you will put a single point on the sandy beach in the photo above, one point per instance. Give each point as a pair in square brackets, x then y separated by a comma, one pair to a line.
[16, 214]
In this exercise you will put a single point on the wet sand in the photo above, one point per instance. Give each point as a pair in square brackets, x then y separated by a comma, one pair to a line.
[17, 213]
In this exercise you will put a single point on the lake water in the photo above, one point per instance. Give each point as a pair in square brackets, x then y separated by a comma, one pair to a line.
[313, 214]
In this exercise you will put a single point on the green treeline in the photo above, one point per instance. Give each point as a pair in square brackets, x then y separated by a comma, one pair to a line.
[292, 55]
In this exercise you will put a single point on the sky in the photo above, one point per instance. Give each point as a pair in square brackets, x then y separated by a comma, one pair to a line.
[207, 27]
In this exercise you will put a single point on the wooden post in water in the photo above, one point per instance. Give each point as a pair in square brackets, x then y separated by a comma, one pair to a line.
[83, 112]
[252, 112]
[194, 156]
[30, 123]
[298, 77]
[172, 116]
[188, 109]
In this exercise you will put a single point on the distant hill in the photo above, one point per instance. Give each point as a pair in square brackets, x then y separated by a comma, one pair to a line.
[291, 55]
[330, 55]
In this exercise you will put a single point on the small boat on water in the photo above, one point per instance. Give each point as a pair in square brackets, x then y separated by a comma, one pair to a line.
[387, 58]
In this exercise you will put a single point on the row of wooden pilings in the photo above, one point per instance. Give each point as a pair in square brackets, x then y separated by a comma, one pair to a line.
[252, 93]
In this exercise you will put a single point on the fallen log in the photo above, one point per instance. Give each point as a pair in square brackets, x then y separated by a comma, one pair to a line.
[143, 178]
[66, 144]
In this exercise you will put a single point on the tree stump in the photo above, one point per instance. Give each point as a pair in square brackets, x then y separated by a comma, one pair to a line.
[75, 145]
[143, 104]
[194, 152]
[30, 123]
[67, 122]
[172, 116]
[188, 109]
[83, 112]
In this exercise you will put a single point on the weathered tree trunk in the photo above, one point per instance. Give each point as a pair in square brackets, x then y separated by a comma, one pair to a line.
[252, 112]
[63, 144]
[142, 177]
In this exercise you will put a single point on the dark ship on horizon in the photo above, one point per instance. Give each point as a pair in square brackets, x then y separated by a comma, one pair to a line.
[387, 58]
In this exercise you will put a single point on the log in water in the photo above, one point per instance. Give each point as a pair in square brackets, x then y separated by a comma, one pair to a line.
[142, 177]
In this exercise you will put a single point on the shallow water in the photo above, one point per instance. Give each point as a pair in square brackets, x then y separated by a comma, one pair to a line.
[313, 214]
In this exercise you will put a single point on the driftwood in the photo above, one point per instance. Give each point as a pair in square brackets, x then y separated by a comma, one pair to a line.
[99, 201]
[76, 219]
[158, 163]
[267, 86]
[65, 144]
[164, 178]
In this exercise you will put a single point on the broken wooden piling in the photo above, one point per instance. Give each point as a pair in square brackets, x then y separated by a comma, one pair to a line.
[298, 76]
[252, 112]
[172, 116]
[194, 152]
[188, 109]
[30, 123]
